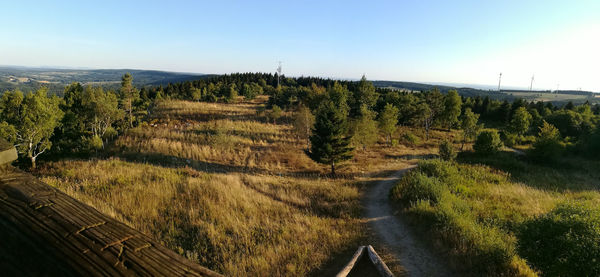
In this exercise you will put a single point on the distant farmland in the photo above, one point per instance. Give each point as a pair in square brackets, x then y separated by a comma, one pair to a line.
[553, 97]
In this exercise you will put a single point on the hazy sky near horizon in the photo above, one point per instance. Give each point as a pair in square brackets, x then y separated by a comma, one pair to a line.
[422, 41]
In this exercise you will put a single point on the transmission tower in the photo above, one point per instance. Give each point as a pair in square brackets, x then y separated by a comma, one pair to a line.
[499, 80]
[531, 84]
[278, 73]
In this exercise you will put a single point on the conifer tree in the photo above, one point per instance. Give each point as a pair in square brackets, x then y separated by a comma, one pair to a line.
[365, 95]
[129, 94]
[329, 142]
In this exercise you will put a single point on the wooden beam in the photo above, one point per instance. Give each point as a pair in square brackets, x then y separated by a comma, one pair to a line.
[357, 255]
[384, 271]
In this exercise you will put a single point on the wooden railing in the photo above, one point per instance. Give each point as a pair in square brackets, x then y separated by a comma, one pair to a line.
[374, 259]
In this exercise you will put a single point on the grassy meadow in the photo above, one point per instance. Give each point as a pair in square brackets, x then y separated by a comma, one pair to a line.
[224, 187]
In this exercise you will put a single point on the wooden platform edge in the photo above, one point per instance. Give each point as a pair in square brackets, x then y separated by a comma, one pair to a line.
[357, 255]
[384, 271]
[7, 155]
[381, 267]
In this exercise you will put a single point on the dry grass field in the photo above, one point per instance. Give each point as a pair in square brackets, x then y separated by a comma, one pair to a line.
[218, 184]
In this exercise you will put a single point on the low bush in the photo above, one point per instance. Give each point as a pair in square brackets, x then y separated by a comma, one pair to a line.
[592, 145]
[410, 138]
[547, 146]
[417, 186]
[563, 242]
[439, 169]
[446, 150]
[488, 142]
[94, 143]
[527, 139]
[509, 139]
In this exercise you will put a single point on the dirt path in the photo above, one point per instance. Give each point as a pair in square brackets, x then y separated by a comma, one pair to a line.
[394, 233]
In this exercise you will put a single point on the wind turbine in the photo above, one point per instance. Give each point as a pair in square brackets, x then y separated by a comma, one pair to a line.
[278, 73]
[531, 84]
[499, 80]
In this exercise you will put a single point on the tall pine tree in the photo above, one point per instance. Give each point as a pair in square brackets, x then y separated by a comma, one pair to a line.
[129, 95]
[329, 141]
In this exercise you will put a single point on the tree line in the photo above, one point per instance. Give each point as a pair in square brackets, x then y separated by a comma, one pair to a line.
[80, 122]
[333, 117]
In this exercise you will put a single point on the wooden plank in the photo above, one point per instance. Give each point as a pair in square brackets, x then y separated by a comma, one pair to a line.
[384, 271]
[357, 255]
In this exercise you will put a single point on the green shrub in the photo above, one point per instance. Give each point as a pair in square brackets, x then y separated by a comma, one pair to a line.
[564, 242]
[527, 139]
[488, 142]
[592, 146]
[446, 150]
[274, 114]
[547, 146]
[410, 138]
[94, 143]
[509, 139]
[110, 133]
[439, 169]
[416, 186]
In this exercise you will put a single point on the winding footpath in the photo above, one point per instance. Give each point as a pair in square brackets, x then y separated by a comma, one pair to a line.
[396, 235]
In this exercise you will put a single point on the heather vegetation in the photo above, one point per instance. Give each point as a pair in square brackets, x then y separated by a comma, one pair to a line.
[254, 174]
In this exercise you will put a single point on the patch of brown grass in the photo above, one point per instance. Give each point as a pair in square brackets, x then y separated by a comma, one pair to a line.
[236, 224]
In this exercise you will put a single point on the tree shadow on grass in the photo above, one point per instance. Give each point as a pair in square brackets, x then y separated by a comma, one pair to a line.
[212, 167]
[198, 117]
[177, 162]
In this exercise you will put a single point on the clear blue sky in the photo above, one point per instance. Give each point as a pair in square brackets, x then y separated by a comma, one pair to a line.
[423, 41]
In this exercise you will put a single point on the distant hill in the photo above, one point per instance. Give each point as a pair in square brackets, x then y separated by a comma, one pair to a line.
[27, 79]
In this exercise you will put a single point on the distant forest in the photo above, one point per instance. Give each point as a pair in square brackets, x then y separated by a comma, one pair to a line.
[85, 118]
[54, 80]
